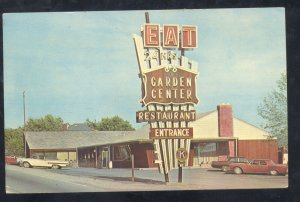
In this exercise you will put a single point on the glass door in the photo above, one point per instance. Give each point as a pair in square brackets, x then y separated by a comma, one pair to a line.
[105, 157]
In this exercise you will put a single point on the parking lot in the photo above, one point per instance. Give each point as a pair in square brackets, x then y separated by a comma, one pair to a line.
[193, 178]
[43, 180]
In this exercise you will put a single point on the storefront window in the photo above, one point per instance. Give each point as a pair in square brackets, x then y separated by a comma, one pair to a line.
[205, 153]
[205, 149]
[223, 148]
[121, 153]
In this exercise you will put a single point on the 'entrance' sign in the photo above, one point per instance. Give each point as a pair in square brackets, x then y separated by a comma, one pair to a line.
[171, 133]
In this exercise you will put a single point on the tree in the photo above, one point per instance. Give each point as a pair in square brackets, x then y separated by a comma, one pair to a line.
[273, 110]
[47, 123]
[14, 144]
[114, 123]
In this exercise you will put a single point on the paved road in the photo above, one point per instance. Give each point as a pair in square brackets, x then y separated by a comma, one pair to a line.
[20, 180]
[39, 180]
[42, 180]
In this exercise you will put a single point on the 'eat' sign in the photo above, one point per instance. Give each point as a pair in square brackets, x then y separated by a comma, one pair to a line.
[170, 36]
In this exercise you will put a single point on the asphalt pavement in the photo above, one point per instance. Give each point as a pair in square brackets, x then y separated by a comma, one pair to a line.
[41, 180]
[193, 178]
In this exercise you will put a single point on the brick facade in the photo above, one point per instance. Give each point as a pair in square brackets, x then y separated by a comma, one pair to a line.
[225, 120]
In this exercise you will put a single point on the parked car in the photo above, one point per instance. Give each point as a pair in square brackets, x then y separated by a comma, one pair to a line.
[45, 162]
[224, 165]
[12, 160]
[265, 166]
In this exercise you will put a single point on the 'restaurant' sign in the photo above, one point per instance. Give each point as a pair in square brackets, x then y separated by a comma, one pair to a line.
[170, 85]
[152, 116]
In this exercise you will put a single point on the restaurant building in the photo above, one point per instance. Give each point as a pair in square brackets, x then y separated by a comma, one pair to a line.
[216, 135]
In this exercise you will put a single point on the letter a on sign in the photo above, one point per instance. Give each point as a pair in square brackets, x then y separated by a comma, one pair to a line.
[189, 37]
[151, 35]
[171, 36]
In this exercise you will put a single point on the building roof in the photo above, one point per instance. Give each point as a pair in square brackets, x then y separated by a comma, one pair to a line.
[201, 115]
[75, 139]
[72, 139]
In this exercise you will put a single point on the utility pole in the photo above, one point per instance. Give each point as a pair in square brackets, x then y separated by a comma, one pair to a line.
[24, 113]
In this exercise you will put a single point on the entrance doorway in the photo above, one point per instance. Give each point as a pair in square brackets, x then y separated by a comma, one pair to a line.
[105, 157]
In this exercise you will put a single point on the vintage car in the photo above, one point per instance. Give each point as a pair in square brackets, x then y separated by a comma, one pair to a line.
[224, 165]
[265, 166]
[12, 160]
[44, 162]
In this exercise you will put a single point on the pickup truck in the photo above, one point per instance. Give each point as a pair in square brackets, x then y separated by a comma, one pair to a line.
[224, 165]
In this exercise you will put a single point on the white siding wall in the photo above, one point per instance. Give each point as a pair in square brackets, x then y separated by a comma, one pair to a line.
[207, 126]
[245, 131]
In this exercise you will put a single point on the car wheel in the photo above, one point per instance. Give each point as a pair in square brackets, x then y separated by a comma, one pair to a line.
[26, 165]
[55, 166]
[273, 172]
[237, 170]
[225, 168]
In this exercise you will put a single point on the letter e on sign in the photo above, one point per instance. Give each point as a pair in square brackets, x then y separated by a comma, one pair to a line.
[151, 35]
[188, 36]
[171, 36]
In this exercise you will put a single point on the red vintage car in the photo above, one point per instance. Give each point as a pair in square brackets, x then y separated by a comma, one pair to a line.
[265, 166]
[11, 160]
[223, 165]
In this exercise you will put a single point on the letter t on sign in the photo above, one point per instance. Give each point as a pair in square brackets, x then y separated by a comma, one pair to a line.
[189, 37]
[151, 35]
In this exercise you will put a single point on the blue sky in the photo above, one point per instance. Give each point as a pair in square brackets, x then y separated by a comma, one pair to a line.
[79, 65]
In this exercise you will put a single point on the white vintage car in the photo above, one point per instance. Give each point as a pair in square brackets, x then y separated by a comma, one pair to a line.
[45, 162]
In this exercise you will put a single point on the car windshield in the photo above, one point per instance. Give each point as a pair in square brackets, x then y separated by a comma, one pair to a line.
[271, 162]
[238, 159]
[243, 160]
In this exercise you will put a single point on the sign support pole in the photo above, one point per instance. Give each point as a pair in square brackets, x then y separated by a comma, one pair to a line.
[132, 167]
[180, 173]
[179, 164]
[147, 18]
